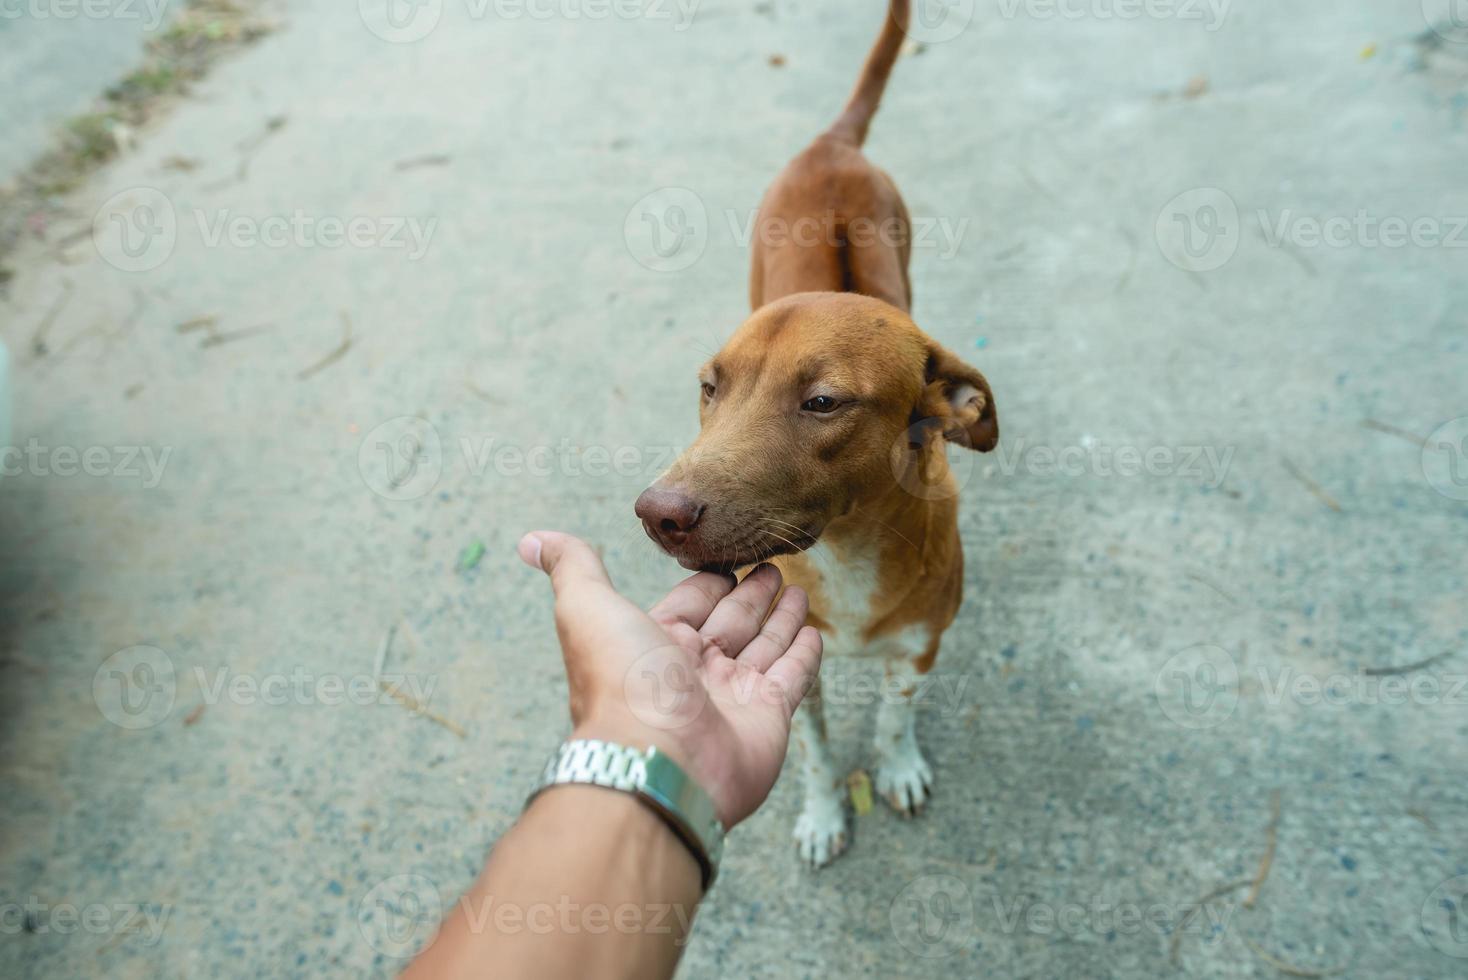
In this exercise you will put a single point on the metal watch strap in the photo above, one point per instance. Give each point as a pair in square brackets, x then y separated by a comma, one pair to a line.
[655, 779]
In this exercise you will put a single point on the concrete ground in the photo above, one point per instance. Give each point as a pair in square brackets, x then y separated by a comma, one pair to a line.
[57, 62]
[1211, 258]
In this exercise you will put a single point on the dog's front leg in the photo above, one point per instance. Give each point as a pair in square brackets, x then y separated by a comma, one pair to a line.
[903, 775]
[820, 831]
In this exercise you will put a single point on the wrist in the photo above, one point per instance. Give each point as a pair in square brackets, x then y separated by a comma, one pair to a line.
[626, 730]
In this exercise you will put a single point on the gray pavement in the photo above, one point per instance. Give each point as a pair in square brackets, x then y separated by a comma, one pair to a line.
[1191, 566]
[59, 54]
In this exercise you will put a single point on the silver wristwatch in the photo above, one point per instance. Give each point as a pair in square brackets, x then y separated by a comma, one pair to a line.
[655, 779]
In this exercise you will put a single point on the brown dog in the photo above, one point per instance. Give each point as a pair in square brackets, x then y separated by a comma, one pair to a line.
[821, 445]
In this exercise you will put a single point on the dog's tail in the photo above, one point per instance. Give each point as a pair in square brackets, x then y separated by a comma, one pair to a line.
[851, 125]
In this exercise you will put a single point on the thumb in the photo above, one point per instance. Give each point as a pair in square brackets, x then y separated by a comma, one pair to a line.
[567, 559]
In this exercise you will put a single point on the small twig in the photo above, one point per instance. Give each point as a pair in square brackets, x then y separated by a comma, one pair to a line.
[335, 355]
[1219, 892]
[411, 703]
[1406, 668]
[1392, 430]
[1268, 861]
[216, 339]
[198, 323]
[382, 651]
[1417, 814]
[38, 339]
[412, 636]
[248, 149]
[1286, 968]
[1311, 485]
[481, 393]
[1199, 578]
[428, 160]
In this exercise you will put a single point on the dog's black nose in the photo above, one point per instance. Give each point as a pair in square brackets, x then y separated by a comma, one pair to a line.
[668, 515]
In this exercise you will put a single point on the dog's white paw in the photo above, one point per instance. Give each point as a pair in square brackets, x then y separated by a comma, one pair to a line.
[904, 778]
[820, 832]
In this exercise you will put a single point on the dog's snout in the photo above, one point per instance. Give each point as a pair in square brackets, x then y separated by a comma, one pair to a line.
[669, 515]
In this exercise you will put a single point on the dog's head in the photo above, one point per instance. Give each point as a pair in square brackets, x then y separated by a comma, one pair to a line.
[818, 403]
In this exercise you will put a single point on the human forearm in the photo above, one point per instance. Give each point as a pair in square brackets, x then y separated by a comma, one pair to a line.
[589, 883]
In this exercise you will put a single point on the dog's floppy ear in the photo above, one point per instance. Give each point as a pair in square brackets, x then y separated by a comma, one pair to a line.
[959, 400]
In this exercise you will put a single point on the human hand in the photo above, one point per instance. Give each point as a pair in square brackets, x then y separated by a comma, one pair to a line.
[704, 676]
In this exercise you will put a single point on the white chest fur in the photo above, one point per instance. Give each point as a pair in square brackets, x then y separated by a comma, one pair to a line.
[848, 585]
[848, 582]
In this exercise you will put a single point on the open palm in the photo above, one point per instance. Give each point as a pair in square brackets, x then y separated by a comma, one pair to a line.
[710, 675]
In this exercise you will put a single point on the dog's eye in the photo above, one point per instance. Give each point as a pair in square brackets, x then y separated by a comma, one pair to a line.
[820, 403]
[708, 390]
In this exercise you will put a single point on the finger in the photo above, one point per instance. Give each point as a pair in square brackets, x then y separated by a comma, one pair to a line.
[779, 630]
[692, 599]
[795, 673]
[570, 562]
[737, 617]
